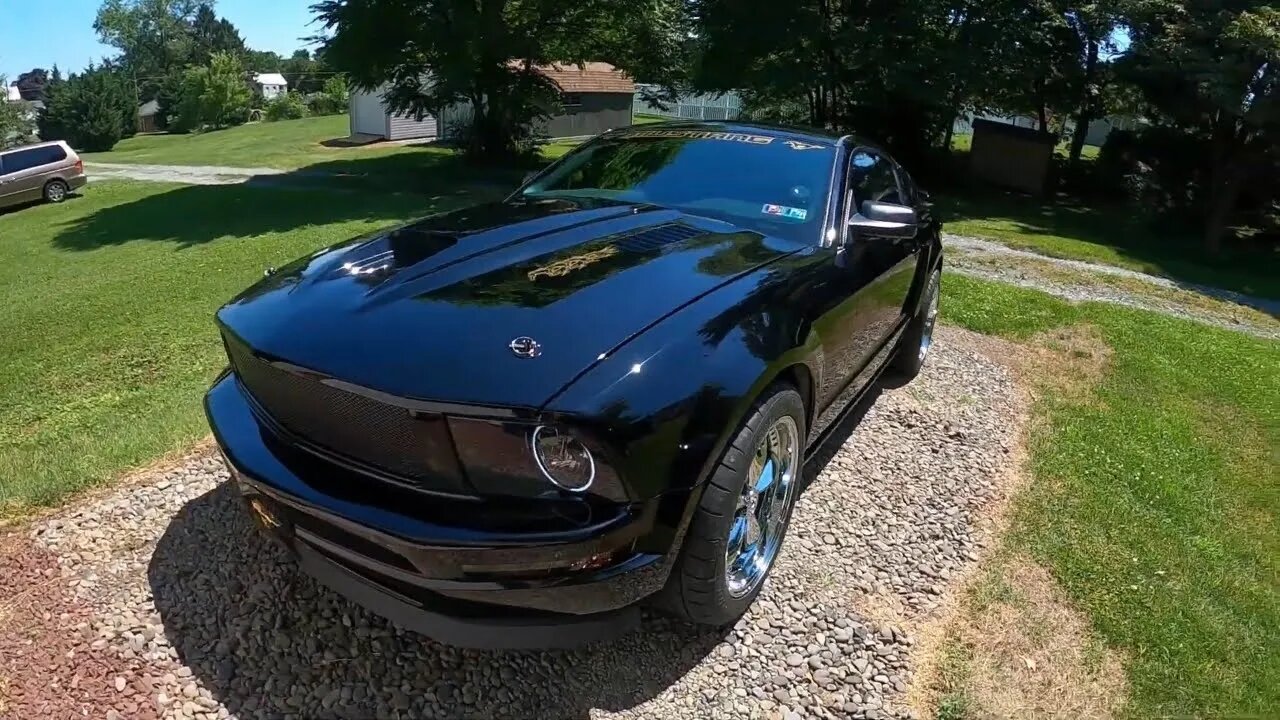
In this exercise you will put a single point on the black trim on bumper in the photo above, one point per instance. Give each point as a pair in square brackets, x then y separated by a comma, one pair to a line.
[489, 633]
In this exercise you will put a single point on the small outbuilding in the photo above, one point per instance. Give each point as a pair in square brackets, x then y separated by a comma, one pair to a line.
[594, 97]
[147, 120]
[1011, 156]
[270, 85]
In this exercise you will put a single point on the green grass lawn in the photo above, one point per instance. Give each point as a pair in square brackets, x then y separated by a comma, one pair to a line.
[1154, 499]
[106, 307]
[285, 145]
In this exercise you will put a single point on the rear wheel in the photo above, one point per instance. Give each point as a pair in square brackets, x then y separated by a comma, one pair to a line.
[55, 191]
[918, 338]
[742, 517]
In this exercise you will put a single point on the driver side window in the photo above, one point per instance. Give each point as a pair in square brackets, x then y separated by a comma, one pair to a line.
[871, 177]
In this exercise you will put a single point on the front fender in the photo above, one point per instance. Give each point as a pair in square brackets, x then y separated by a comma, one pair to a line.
[668, 401]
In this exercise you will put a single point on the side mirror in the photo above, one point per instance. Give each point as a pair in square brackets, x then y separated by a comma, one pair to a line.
[884, 220]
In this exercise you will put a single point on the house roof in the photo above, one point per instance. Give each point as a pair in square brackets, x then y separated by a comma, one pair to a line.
[592, 77]
[270, 79]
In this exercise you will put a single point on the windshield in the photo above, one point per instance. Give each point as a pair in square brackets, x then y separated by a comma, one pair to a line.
[774, 185]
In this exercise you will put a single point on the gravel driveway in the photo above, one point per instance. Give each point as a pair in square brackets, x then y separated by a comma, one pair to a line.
[189, 174]
[1080, 281]
[199, 616]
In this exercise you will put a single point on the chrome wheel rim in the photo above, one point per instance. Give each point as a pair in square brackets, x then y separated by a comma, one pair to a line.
[56, 192]
[931, 317]
[763, 508]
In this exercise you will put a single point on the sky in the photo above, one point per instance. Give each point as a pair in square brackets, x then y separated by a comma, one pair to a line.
[40, 33]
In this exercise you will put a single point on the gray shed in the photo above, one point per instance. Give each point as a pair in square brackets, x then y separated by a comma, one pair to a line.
[595, 97]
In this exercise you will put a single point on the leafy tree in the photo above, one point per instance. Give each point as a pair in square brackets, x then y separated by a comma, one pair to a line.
[15, 123]
[215, 96]
[263, 61]
[304, 72]
[92, 110]
[1094, 24]
[154, 37]
[437, 53]
[288, 106]
[1212, 69]
[31, 84]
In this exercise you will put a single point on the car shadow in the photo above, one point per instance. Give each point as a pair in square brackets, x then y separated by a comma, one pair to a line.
[268, 641]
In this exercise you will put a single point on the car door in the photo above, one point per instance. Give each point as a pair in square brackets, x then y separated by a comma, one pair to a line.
[890, 257]
[863, 291]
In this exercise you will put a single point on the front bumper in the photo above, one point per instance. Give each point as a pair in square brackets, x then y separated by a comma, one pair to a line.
[464, 572]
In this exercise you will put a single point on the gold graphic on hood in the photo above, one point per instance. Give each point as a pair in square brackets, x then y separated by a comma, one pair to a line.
[560, 268]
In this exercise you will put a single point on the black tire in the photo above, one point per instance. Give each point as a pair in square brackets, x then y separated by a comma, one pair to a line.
[698, 590]
[912, 348]
[55, 191]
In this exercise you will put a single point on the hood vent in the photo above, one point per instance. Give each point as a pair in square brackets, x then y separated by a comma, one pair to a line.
[655, 238]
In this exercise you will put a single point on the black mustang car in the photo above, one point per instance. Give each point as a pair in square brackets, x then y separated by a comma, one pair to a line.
[508, 425]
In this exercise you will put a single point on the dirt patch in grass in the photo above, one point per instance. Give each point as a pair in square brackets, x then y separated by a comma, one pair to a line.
[1021, 651]
[1006, 643]
[1068, 361]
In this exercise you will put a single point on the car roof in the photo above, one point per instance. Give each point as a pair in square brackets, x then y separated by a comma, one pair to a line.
[46, 143]
[773, 130]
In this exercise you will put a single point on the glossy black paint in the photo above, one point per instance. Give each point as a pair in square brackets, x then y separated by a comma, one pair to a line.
[658, 329]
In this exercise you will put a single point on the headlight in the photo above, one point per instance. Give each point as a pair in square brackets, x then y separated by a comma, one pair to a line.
[528, 460]
[563, 459]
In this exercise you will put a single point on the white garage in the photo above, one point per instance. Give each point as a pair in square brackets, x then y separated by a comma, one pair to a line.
[369, 117]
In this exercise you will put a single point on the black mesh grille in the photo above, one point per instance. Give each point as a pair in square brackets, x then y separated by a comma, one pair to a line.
[657, 237]
[413, 446]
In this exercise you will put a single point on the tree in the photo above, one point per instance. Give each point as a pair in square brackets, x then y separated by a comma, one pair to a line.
[215, 96]
[1213, 70]
[154, 37]
[305, 73]
[437, 53]
[918, 64]
[15, 123]
[263, 61]
[92, 110]
[31, 84]
[1094, 24]
[211, 34]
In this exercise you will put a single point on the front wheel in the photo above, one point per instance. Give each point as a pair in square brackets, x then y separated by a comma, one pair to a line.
[742, 517]
[918, 338]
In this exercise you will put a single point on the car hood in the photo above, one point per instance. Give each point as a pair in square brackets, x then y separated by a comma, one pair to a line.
[429, 310]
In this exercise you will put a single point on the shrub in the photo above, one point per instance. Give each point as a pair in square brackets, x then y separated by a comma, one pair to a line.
[332, 99]
[288, 106]
[215, 96]
[91, 111]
